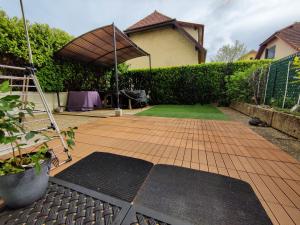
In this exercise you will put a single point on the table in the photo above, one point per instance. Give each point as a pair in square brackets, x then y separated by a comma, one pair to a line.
[68, 203]
[83, 100]
[169, 195]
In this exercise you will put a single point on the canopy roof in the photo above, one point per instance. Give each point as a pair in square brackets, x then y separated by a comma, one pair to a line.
[96, 47]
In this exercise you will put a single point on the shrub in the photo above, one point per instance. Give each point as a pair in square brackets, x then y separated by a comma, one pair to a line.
[203, 83]
[296, 66]
[53, 74]
[243, 85]
[277, 102]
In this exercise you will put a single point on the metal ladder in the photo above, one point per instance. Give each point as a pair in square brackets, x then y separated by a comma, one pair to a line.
[26, 81]
[22, 85]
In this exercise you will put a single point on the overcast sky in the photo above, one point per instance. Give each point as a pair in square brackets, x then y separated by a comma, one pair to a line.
[250, 21]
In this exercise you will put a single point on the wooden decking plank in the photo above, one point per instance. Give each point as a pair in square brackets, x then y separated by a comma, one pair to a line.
[219, 160]
[262, 188]
[210, 159]
[294, 185]
[202, 157]
[233, 173]
[237, 163]
[223, 171]
[228, 148]
[290, 193]
[280, 214]
[245, 177]
[290, 174]
[293, 213]
[276, 191]
[228, 162]
[270, 213]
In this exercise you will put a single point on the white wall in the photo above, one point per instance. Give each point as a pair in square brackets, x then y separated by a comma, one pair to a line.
[51, 99]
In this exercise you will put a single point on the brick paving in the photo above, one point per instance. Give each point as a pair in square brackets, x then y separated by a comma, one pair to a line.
[222, 147]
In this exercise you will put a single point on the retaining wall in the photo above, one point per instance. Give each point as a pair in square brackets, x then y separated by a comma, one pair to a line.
[284, 122]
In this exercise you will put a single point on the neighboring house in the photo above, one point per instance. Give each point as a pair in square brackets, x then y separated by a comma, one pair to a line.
[249, 56]
[168, 41]
[281, 44]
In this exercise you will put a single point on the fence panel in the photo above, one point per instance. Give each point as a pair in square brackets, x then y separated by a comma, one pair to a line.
[281, 76]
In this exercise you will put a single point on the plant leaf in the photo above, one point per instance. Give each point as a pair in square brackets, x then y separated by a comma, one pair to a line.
[4, 87]
[30, 135]
[9, 98]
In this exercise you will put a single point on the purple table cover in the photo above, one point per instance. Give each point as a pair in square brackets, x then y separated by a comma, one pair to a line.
[83, 100]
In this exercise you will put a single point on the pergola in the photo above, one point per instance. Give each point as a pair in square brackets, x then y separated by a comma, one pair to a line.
[106, 46]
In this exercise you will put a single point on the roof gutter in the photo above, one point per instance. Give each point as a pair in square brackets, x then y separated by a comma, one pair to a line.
[150, 27]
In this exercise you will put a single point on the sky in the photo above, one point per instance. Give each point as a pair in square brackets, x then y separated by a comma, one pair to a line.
[249, 21]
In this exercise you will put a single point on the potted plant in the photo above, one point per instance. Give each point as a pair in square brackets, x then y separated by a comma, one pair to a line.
[24, 176]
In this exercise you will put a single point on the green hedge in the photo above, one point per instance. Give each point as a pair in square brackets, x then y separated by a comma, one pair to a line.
[54, 75]
[203, 83]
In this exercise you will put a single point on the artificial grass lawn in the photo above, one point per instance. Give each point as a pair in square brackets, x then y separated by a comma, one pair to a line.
[185, 111]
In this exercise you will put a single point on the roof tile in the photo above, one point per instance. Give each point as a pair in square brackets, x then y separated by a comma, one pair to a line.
[291, 35]
[154, 18]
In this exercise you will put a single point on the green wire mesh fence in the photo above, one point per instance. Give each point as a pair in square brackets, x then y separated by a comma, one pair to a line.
[280, 88]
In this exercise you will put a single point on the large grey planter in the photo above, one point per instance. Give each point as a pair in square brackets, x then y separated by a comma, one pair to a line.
[21, 189]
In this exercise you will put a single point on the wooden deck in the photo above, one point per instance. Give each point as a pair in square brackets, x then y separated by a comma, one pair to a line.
[227, 148]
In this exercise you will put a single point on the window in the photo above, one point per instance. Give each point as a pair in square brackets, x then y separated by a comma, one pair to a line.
[270, 53]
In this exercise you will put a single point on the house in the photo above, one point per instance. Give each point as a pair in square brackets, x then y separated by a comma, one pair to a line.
[281, 44]
[170, 42]
[249, 55]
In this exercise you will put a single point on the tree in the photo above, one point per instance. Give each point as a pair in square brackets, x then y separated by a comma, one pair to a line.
[54, 74]
[230, 53]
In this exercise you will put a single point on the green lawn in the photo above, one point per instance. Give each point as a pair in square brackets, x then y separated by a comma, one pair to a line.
[185, 111]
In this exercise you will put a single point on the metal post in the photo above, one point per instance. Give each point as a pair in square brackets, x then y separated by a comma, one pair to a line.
[151, 80]
[150, 63]
[286, 84]
[258, 83]
[26, 34]
[266, 87]
[116, 65]
[12, 67]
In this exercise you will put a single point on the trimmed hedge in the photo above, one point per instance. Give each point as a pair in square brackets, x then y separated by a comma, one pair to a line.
[203, 83]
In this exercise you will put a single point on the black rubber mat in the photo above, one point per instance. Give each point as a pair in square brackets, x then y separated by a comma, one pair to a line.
[200, 197]
[139, 215]
[114, 175]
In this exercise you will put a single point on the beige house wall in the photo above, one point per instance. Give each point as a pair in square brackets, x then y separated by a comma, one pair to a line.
[167, 47]
[248, 56]
[193, 32]
[282, 49]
